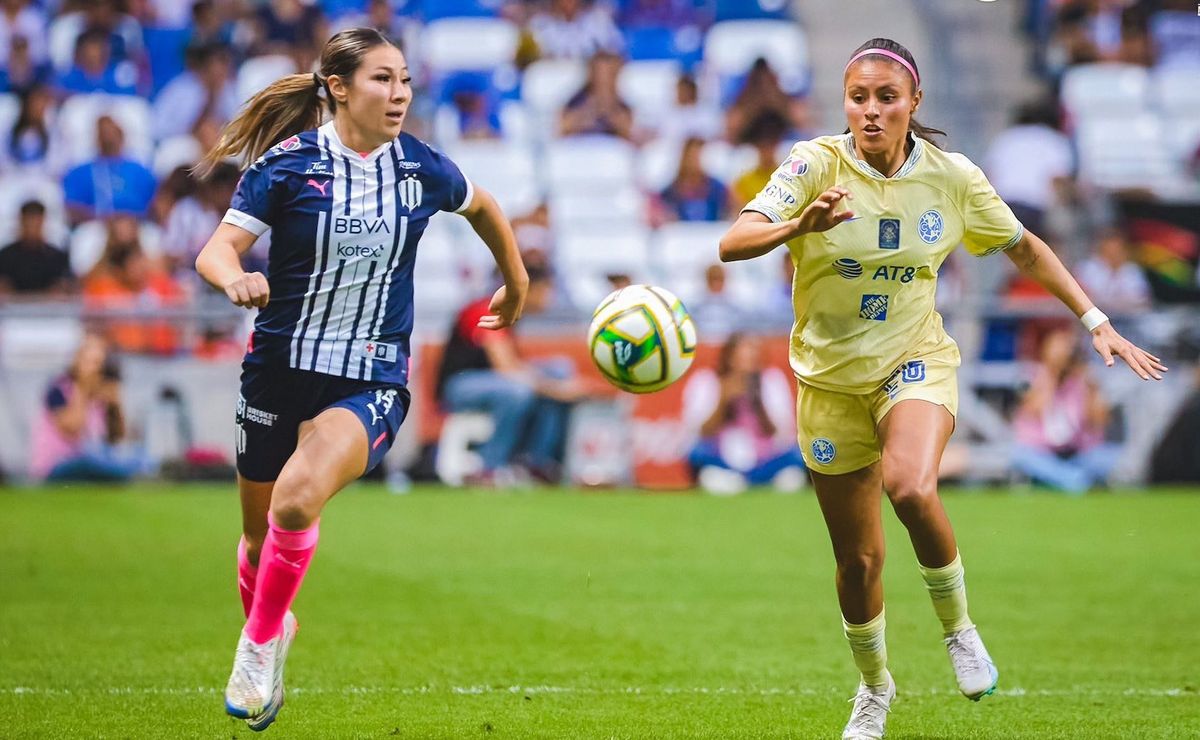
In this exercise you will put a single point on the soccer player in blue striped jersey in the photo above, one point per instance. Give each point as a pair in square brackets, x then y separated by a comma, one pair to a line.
[323, 381]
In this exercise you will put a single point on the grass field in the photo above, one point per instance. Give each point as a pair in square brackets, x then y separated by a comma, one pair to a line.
[567, 615]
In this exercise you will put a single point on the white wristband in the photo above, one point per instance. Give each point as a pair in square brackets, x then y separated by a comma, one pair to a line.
[1092, 318]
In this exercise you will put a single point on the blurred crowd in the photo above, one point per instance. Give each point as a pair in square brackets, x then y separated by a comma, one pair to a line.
[106, 104]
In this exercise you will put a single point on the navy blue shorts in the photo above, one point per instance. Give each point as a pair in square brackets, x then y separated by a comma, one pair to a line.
[274, 401]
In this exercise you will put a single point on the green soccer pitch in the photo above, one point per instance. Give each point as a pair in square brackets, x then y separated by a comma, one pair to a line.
[560, 614]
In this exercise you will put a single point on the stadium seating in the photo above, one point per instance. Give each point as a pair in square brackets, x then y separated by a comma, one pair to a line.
[1125, 153]
[16, 191]
[88, 240]
[546, 86]
[256, 73]
[585, 259]
[77, 124]
[731, 47]
[1090, 90]
[596, 164]
[649, 88]
[683, 251]
[173, 152]
[505, 169]
[450, 44]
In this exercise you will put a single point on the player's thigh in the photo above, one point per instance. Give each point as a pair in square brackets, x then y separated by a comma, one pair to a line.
[850, 504]
[916, 420]
[835, 431]
[331, 452]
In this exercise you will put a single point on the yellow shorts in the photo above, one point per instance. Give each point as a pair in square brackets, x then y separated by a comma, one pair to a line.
[837, 431]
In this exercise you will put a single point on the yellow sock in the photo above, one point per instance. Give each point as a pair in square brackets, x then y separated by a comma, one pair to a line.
[949, 593]
[869, 649]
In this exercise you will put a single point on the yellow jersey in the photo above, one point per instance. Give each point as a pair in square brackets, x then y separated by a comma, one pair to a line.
[864, 290]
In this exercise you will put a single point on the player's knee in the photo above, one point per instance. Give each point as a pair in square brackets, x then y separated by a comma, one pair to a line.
[297, 500]
[912, 495]
[860, 568]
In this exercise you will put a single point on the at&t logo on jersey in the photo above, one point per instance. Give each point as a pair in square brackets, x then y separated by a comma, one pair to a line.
[874, 307]
[895, 272]
[929, 226]
[848, 268]
[823, 450]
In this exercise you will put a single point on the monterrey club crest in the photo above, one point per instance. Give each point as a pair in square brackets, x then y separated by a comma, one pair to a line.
[411, 192]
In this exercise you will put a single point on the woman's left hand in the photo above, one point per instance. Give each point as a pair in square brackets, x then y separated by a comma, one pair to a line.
[504, 310]
[1109, 344]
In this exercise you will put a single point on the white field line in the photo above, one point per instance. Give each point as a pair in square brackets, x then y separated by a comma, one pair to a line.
[586, 691]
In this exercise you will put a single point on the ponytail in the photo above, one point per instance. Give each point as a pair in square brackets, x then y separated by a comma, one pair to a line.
[286, 107]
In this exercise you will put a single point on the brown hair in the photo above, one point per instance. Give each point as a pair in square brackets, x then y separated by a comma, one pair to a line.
[291, 104]
[917, 128]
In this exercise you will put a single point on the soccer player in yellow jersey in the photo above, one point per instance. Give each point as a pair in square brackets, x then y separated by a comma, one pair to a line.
[868, 217]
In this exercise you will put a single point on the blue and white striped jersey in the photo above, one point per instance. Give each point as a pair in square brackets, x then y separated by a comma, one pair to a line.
[344, 238]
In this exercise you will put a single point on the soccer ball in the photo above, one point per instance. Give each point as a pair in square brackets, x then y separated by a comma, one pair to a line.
[642, 338]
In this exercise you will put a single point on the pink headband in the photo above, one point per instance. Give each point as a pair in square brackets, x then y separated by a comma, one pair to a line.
[890, 55]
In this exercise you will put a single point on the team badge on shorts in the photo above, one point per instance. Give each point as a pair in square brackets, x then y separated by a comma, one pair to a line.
[823, 450]
[913, 371]
[929, 226]
[889, 233]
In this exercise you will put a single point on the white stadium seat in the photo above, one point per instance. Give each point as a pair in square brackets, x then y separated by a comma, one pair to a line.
[14, 192]
[1089, 90]
[582, 211]
[1126, 153]
[730, 47]
[505, 169]
[10, 110]
[683, 251]
[61, 36]
[586, 258]
[76, 123]
[649, 88]
[658, 163]
[589, 164]
[89, 238]
[546, 86]
[452, 44]
[176, 151]
[256, 73]
[1173, 91]
[727, 162]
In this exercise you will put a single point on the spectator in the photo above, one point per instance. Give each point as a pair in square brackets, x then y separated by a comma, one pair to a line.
[125, 279]
[476, 109]
[1031, 164]
[291, 27]
[31, 266]
[379, 15]
[23, 72]
[21, 19]
[1088, 31]
[1059, 426]
[574, 29]
[1175, 35]
[95, 70]
[204, 90]
[193, 219]
[762, 95]
[744, 417]
[483, 370]
[1110, 273]
[597, 108]
[688, 117]
[82, 422]
[30, 146]
[210, 26]
[694, 195]
[716, 313]
[111, 183]
[765, 134]
[123, 31]
[673, 14]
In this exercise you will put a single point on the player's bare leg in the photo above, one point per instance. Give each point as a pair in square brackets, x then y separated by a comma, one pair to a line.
[914, 435]
[850, 504]
[331, 452]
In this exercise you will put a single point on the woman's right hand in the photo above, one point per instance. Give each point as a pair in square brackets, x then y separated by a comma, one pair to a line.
[821, 214]
[249, 291]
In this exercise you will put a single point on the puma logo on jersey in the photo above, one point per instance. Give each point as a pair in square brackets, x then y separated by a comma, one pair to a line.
[320, 185]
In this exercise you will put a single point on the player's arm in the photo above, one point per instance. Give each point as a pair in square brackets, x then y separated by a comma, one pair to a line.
[220, 264]
[753, 234]
[489, 223]
[1034, 258]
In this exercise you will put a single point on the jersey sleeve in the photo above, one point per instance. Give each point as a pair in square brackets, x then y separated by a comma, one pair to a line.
[256, 201]
[459, 190]
[989, 225]
[792, 186]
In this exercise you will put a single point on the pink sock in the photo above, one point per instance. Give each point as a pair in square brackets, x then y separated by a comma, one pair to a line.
[281, 567]
[247, 576]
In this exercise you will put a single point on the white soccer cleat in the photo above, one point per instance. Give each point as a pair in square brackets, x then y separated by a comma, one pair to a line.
[271, 711]
[973, 667]
[251, 684]
[869, 716]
